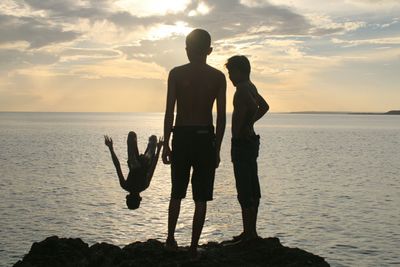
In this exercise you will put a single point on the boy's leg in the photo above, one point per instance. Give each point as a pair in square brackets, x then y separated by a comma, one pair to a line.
[247, 222]
[203, 176]
[151, 148]
[180, 176]
[197, 227]
[133, 151]
[249, 217]
[253, 197]
[247, 199]
[173, 214]
[254, 226]
[256, 191]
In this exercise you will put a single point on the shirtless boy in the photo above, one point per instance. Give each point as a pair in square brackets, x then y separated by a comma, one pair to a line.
[248, 107]
[193, 87]
[141, 167]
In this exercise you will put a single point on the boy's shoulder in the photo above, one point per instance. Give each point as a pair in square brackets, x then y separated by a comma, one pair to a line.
[188, 67]
[248, 88]
[245, 92]
[216, 71]
[246, 85]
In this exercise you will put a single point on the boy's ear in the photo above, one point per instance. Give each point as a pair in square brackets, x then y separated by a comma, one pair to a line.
[209, 50]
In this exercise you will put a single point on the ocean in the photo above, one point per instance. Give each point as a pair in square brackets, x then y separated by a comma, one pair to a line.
[330, 184]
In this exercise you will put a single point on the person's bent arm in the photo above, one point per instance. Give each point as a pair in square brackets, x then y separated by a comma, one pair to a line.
[221, 118]
[169, 117]
[263, 107]
[109, 143]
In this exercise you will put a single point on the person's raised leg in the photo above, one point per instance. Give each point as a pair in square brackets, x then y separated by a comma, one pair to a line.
[173, 214]
[151, 148]
[133, 151]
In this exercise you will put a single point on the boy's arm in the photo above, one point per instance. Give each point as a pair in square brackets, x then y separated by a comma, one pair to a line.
[154, 161]
[221, 118]
[263, 107]
[169, 117]
[109, 143]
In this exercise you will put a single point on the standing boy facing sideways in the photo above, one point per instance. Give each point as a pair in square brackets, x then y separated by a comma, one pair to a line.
[193, 87]
[248, 107]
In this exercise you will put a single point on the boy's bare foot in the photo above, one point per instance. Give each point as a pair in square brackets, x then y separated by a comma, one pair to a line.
[171, 245]
[153, 139]
[252, 237]
[238, 237]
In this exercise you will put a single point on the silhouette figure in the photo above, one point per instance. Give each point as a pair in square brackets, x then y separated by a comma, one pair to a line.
[141, 167]
[249, 106]
[193, 87]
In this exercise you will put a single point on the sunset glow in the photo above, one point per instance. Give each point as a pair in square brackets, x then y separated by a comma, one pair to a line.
[164, 31]
[306, 55]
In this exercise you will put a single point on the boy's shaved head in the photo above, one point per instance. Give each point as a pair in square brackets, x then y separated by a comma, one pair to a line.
[199, 40]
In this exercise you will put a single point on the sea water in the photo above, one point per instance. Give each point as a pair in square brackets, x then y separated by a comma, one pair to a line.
[330, 184]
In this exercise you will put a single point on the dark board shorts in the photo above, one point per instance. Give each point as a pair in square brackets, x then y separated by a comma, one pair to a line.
[193, 147]
[244, 153]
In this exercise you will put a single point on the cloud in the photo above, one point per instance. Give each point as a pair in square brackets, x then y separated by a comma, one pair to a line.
[375, 2]
[373, 41]
[71, 9]
[13, 59]
[37, 33]
[165, 52]
[230, 18]
[326, 26]
[120, 68]
[129, 21]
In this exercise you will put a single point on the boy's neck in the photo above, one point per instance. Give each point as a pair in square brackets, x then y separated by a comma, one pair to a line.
[198, 61]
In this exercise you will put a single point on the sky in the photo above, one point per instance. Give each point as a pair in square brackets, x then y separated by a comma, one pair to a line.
[115, 55]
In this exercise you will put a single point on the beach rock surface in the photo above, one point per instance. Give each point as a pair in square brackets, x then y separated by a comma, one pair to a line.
[68, 252]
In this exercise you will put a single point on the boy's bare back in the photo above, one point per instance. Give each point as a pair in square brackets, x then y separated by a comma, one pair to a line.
[196, 87]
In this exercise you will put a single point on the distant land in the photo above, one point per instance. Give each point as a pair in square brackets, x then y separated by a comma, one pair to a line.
[391, 112]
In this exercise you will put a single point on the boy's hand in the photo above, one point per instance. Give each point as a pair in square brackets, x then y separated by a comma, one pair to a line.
[160, 143]
[108, 141]
[166, 154]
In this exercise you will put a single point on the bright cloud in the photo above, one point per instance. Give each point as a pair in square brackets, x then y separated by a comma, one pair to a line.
[152, 7]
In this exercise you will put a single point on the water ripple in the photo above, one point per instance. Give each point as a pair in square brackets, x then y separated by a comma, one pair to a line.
[330, 185]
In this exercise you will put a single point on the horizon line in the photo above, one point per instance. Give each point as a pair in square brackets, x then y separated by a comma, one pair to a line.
[277, 112]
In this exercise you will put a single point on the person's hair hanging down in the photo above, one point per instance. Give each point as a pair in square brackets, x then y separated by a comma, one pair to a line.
[141, 167]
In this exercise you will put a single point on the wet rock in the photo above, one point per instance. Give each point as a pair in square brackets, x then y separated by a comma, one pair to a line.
[68, 252]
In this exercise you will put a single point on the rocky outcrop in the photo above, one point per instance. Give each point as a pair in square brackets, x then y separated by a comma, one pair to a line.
[63, 252]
